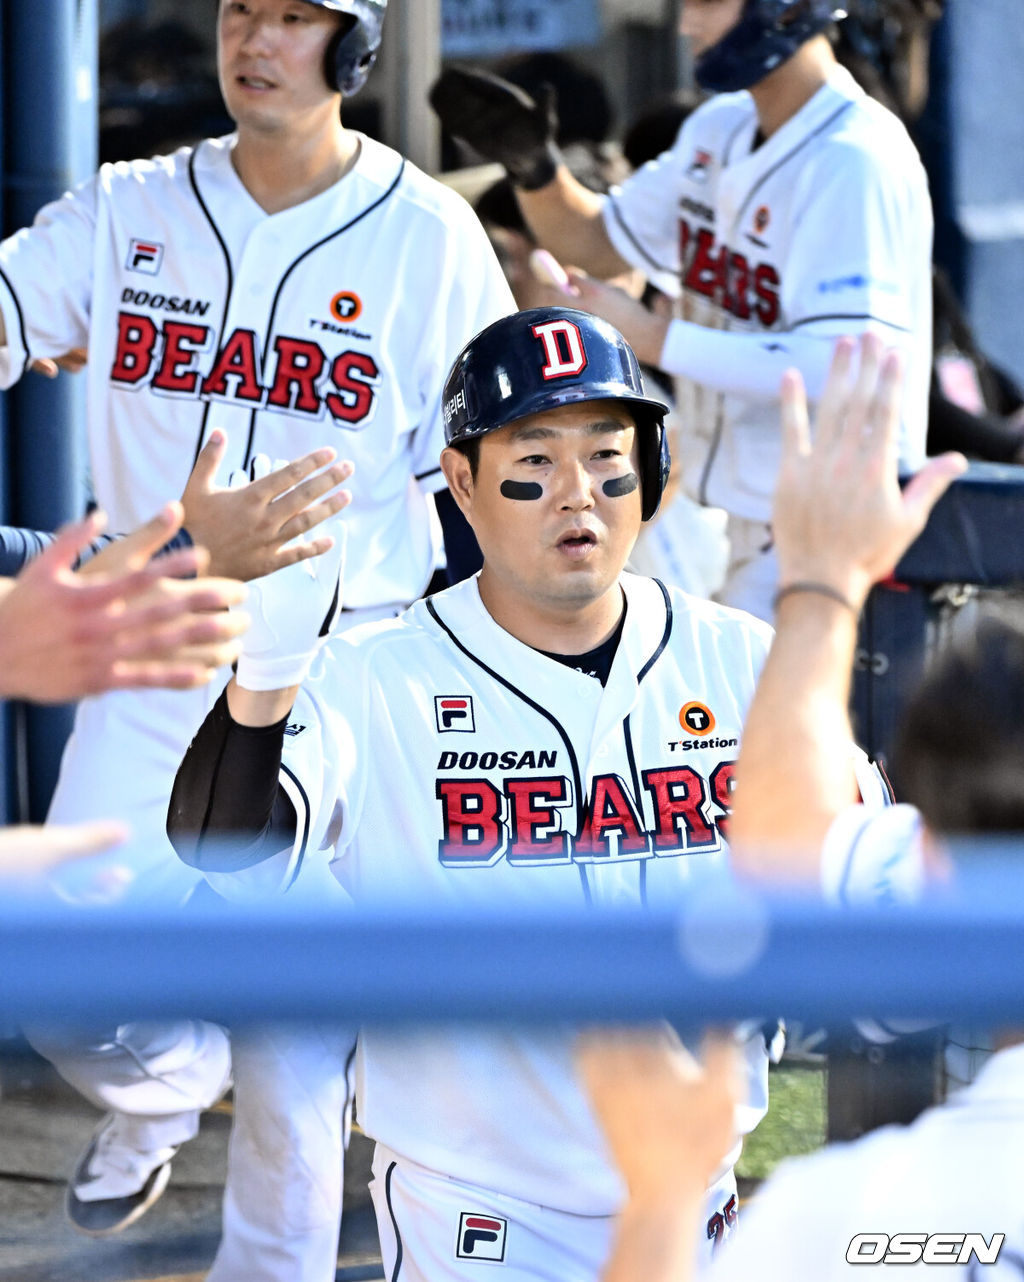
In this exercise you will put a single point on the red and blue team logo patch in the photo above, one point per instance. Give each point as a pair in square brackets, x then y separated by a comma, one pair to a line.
[699, 165]
[481, 1237]
[145, 256]
[454, 713]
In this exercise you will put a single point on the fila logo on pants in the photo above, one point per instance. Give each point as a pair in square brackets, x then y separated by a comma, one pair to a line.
[481, 1237]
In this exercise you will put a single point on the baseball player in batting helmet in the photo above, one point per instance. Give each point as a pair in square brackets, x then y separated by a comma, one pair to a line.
[788, 211]
[555, 731]
[541, 360]
[238, 303]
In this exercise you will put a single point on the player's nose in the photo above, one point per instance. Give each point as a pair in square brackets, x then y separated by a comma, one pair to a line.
[574, 486]
[256, 36]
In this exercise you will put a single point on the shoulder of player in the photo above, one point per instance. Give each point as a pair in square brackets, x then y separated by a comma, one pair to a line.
[698, 613]
[716, 120]
[380, 164]
[116, 176]
[390, 641]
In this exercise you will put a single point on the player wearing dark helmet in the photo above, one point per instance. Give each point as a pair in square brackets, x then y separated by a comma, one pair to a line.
[508, 742]
[790, 210]
[554, 357]
[291, 286]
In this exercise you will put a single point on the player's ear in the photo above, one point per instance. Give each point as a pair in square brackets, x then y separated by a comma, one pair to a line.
[459, 475]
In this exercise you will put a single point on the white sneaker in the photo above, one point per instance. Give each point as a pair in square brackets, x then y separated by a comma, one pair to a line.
[115, 1183]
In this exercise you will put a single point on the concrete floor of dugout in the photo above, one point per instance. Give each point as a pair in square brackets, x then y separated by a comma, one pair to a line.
[44, 1126]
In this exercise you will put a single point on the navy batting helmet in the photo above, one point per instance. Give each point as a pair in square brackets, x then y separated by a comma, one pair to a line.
[353, 51]
[540, 359]
[767, 34]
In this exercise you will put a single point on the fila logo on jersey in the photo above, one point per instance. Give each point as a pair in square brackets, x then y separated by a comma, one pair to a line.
[454, 712]
[563, 348]
[145, 256]
[697, 718]
[481, 1237]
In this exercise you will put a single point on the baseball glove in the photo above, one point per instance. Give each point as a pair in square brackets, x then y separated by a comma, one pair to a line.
[501, 122]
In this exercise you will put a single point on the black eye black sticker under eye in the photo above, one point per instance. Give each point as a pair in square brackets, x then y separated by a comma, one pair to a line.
[521, 490]
[621, 485]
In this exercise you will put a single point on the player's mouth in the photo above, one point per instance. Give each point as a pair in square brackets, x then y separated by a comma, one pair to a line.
[257, 83]
[577, 544]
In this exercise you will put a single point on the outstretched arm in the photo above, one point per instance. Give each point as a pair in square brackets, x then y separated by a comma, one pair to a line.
[227, 813]
[129, 624]
[841, 522]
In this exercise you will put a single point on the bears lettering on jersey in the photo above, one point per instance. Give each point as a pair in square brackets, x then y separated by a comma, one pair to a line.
[302, 378]
[530, 819]
[727, 277]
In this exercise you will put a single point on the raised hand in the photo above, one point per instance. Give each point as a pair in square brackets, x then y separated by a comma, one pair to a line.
[840, 517]
[126, 623]
[253, 530]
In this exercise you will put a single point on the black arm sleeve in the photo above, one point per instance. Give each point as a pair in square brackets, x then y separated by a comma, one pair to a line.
[462, 552]
[227, 811]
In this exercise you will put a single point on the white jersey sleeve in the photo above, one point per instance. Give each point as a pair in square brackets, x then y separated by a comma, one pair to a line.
[873, 856]
[46, 282]
[641, 218]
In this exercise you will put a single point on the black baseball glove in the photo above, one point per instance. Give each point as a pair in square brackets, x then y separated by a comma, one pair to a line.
[501, 122]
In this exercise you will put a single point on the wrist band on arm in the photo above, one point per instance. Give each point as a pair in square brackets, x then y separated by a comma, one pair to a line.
[822, 589]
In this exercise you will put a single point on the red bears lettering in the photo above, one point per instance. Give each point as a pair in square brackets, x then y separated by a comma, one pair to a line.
[611, 813]
[471, 816]
[355, 375]
[181, 342]
[136, 339]
[679, 795]
[533, 804]
[728, 277]
[238, 361]
[722, 784]
[299, 364]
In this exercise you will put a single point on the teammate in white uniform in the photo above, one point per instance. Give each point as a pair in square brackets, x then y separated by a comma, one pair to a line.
[841, 523]
[297, 285]
[792, 209]
[556, 732]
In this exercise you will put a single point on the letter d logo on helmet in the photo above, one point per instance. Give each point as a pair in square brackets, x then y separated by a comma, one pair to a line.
[544, 358]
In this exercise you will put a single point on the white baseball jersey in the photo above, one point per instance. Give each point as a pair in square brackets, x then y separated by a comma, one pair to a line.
[330, 323]
[823, 229]
[957, 1169]
[451, 764]
[333, 322]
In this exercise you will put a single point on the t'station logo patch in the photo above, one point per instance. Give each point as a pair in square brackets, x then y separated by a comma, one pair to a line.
[696, 718]
[481, 1237]
[145, 256]
[346, 306]
[454, 713]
